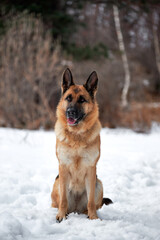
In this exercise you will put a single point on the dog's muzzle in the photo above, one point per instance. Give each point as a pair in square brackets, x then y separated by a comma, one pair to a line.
[74, 116]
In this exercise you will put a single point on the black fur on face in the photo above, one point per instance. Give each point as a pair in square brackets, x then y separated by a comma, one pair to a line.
[74, 114]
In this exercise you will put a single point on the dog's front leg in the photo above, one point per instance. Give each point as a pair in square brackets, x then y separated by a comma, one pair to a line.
[90, 187]
[63, 204]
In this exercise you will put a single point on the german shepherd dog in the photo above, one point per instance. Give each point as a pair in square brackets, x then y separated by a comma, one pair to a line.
[77, 188]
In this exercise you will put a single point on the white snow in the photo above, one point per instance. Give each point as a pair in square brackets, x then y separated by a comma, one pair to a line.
[129, 168]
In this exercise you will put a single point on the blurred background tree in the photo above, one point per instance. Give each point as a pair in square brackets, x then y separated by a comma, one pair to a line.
[39, 39]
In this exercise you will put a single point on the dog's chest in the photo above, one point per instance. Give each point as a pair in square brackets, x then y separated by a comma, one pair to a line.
[78, 156]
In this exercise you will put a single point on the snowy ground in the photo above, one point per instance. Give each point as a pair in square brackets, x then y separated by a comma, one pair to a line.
[129, 168]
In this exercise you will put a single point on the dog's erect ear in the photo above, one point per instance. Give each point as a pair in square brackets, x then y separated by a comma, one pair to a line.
[91, 84]
[67, 80]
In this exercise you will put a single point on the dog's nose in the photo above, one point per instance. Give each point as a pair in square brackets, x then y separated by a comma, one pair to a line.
[71, 112]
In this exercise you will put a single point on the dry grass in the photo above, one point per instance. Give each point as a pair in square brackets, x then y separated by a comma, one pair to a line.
[29, 69]
[139, 116]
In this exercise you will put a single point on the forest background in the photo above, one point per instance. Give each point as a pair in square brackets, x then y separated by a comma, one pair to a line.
[118, 39]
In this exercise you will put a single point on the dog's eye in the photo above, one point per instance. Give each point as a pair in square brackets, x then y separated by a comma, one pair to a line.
[81, 99]
[69, 98]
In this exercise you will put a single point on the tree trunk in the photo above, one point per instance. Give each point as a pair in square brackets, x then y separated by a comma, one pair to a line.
[156, 40]
[124, 101]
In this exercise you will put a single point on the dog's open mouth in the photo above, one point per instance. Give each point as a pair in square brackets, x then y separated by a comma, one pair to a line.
[71, 121]
[74, 121]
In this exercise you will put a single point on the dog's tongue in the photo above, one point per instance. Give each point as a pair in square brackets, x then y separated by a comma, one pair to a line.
[71, 121]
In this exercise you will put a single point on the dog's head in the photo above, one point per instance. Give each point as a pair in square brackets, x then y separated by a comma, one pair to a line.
[78, 101]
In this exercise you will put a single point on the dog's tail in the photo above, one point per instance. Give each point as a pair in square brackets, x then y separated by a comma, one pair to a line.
[106, 201]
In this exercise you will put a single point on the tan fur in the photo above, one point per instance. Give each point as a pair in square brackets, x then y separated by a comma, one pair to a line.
[78, 149]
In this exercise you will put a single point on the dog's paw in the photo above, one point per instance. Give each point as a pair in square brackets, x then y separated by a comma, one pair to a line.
[93, 216]
[60, 217]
